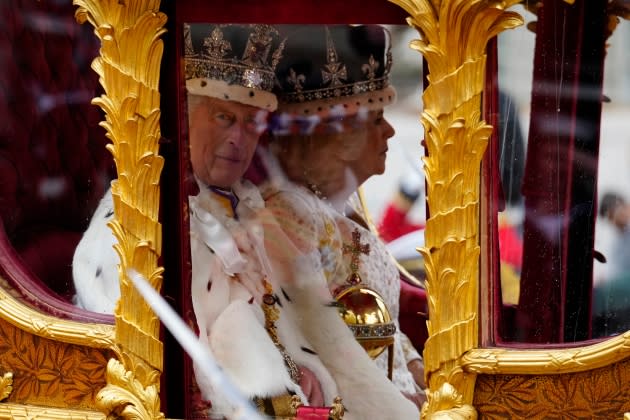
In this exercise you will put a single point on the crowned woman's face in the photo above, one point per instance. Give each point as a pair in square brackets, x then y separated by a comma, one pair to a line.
[339, 161]
[371, 158]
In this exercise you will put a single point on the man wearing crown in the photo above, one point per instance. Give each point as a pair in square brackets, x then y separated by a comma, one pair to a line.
[235, 296]
[248, 310]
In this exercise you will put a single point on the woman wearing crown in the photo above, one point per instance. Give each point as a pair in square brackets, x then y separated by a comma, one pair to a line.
[330, 135]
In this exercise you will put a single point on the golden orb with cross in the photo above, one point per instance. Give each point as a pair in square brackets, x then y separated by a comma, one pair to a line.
[363, 309]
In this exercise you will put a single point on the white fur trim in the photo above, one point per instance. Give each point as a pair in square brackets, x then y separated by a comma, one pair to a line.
[249, 358]
[294, 342]
[237, 93]
[95, 263]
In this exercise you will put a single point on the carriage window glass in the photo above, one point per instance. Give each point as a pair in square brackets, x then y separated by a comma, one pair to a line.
[395, 199]
[611, 272]
[319, 101]
[53, 162]
[562, 158]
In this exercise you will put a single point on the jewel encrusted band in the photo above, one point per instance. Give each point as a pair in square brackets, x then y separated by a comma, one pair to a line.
[337, 91]
[231, 73]
[373, 331]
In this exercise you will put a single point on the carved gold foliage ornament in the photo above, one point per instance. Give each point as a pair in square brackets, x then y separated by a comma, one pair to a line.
[49, 372]
[599, 393]
[127, 397]
[548, 361]
[584, 382]
[454, 34]
[32, 412]
[129, 70]
[16, 312]
[6, 385]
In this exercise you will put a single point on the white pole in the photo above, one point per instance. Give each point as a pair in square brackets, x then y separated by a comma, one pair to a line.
[190, 343]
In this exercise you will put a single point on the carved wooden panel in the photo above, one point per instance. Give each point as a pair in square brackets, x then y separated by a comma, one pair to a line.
[602, 393]
[48, 372]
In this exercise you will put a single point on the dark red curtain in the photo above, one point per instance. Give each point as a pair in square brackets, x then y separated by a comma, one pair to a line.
[561, 171]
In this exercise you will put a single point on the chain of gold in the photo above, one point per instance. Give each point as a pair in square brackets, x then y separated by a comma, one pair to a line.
[272, 313]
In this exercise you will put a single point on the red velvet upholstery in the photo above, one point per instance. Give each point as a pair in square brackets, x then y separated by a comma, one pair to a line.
[54, 167]
[414, 313]
[313, 413]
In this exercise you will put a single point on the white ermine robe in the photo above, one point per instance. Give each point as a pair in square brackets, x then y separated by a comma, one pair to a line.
[228, 264]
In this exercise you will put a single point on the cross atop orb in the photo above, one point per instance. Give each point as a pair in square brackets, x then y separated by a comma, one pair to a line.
[356, 248]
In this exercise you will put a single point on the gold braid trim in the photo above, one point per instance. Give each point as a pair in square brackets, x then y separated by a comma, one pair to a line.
[272, 314]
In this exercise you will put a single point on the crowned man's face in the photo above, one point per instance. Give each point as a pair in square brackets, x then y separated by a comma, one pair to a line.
[223, 138]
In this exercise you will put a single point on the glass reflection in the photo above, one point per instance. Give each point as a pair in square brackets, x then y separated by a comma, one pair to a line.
[345, 144]
[301, 249]
[558, 224]
[53, 163]
[611, 294]
[395, 199]
[611, 272]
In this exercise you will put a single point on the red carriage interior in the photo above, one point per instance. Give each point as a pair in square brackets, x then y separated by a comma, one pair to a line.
[54, 167]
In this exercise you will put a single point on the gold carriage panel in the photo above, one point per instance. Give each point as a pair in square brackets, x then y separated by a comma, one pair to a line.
[597, 393]
[41, 371]
[24, 412]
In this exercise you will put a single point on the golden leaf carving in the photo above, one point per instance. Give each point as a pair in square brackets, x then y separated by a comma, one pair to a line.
[51, 372]
[548, 361]
[454, 35]
[14, 310]
[447, 403]
[126, 397]
[599, 393]
[6, 385]
[10, 411]
[129, 70]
